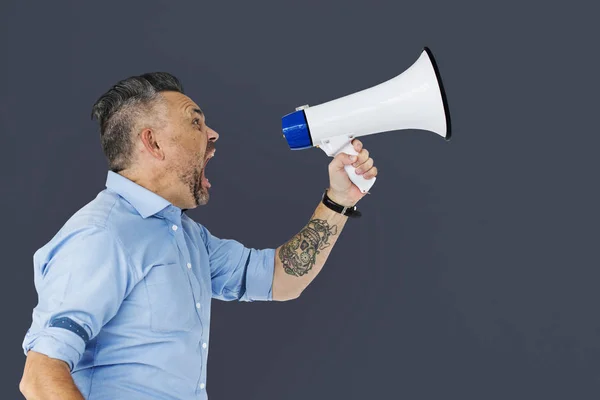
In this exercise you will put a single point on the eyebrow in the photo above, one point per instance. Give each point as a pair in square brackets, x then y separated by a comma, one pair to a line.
[199, 111]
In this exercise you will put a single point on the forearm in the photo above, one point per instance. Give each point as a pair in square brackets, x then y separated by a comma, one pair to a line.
[51, 387]
[300, 259]
[45, 378]
[54, 390]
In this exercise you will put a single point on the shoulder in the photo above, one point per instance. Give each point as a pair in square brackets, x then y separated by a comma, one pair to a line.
[195, 229]
[91, 229]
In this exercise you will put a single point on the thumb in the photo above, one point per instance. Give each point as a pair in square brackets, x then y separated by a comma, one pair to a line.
[342, 160]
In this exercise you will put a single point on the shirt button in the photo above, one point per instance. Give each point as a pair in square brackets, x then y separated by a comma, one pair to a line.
[202, 386]
[203, 345]
[189, 265]
[197, 305]
[174, 227]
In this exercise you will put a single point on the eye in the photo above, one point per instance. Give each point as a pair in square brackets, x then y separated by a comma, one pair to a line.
[196, 121]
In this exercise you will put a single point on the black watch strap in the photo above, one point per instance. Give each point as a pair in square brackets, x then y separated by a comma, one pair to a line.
[344, 210]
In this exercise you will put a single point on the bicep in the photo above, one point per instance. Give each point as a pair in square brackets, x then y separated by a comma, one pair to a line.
[87, 280]
[239, 272]
[81, 284]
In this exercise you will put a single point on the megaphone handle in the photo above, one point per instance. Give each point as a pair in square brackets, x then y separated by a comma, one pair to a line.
[363, 184]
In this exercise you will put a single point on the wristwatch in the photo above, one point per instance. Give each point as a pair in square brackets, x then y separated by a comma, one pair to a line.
[344, 210]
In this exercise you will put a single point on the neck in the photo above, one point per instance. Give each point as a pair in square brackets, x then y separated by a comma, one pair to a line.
[160, 184]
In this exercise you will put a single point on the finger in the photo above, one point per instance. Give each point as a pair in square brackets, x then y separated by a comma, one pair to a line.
[357, 145]
[362, 157]
[365, 167]
[370, 173]
[340, 161]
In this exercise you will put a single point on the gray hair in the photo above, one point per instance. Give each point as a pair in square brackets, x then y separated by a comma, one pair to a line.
[120, 109]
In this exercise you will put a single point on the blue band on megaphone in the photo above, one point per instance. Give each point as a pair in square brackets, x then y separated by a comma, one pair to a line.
[295, 130]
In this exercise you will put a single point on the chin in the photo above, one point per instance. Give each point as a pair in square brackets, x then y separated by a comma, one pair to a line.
[202, 197]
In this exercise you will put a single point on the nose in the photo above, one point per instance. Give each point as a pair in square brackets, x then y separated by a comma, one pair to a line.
[213, 136]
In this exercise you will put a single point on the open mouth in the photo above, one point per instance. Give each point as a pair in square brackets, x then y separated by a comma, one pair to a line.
[205, 181]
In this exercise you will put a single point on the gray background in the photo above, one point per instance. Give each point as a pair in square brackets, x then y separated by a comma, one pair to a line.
[473, 273]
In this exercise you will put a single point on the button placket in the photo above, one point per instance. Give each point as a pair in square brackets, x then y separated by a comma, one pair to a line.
[196, 285]
[183, 249]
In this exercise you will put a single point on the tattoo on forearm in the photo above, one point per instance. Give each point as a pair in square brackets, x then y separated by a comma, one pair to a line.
[300, 253]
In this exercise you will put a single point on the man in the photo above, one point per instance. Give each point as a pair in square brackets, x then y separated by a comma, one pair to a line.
[125, 286]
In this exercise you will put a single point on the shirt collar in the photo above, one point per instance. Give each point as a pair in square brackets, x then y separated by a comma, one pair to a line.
[145, 202]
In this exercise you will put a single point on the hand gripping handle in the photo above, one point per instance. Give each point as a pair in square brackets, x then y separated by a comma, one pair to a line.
[363, 184]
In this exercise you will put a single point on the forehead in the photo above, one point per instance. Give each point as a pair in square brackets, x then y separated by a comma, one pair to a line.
[181, 105]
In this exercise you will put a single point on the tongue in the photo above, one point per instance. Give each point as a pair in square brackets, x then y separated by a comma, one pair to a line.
[205, 181]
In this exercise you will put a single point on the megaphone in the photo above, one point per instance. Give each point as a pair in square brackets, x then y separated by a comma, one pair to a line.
[415, 99]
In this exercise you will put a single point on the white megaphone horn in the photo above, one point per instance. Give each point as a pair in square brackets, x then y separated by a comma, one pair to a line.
[414, 99]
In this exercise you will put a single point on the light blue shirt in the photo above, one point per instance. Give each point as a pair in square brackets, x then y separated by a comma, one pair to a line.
[124, 294]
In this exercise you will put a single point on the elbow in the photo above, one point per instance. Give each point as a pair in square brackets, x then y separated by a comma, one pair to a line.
[294, 296]
[285, 292]
[287, 296]
[26, 388]
[27, 385]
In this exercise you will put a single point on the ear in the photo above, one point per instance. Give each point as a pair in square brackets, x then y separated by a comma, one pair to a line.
[149, 140]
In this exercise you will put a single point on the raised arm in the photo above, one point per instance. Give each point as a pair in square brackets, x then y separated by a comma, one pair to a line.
[300, 259]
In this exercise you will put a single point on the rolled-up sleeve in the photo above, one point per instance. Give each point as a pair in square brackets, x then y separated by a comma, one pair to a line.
[238, 272]
[81, 277]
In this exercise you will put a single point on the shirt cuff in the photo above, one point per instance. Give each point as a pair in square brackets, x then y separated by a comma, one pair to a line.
[259, 276]
[56, 343]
